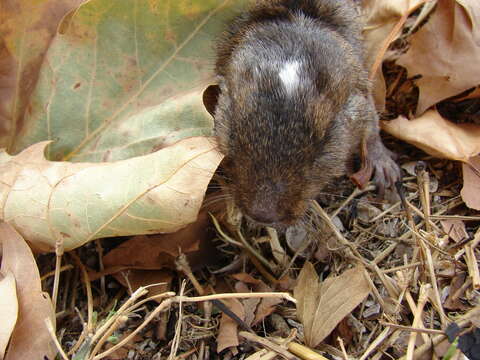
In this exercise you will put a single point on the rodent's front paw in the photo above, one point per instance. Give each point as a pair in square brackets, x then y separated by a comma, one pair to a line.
[376, 158]
[387, 172]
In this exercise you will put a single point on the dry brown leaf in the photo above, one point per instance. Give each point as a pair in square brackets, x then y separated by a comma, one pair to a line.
[74, 203]
[455, 229]
[227, 332]
[446, 52]
[267, 305]
[30, 338]
[249, 304]
[246, 278]
[471, 183]
[160, 251]
[453, 301]
[322, 305]
[437, 136]
[8, 309]
[381, 16]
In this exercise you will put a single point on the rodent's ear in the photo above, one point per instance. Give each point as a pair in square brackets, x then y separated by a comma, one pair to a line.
[210, 98]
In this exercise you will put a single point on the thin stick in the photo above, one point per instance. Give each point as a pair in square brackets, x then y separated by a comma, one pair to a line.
[267, 344]
[353, 195]
[423, 181]
[337, 233]
[422, 300]
[58, 264]
[413, 329]
[380, 338]
[178, 326]
[51, 331]
[342, 347]
[88, 290]
[472, 266]
[433, 280]
[402, 267]
[51, 273]
[304, 352]
[167, 303]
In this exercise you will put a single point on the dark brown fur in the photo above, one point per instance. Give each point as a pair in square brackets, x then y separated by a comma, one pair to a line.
[281, 148]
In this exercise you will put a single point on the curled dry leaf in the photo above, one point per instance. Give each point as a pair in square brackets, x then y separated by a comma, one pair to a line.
[381, 17]
[78, 202]
[471, 183]
[437, 136]
[30, 338]
[445, 52]
[322, 305]
[8, 309]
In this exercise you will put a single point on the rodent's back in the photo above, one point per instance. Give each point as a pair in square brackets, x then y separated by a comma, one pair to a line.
[287, 70]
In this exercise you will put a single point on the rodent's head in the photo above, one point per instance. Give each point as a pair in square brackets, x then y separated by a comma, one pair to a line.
[279, 151]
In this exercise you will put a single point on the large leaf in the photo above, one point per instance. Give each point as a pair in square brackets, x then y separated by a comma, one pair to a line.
[124, 78]
[26, 30]
[77, 202]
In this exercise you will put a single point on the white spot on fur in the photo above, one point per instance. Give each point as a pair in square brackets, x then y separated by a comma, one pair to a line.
[289, 74]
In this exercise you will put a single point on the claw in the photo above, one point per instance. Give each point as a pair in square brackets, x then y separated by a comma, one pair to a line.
[376, 157]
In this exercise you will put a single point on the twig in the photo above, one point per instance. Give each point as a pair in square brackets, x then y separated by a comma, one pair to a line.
[110, 323]
[267, 344]
[472, 265]
[254, 252]
[51, 273]
[338, 235]
[178, 326]
[352, 196]
[342, 347]
[402, 267]
[99, 248]
[433, 280]
[464, 321]
[380, 338]
[51, 331]
[88, 290]
[59, 249]
[422, 300]
[167, 303]
[413, 329]
[423, 181]
[304, 352]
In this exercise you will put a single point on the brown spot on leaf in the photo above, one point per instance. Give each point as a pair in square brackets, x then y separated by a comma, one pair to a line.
[76, 86]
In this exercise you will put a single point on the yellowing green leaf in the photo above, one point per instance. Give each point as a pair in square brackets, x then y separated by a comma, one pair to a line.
[78, 202]
[125, 78]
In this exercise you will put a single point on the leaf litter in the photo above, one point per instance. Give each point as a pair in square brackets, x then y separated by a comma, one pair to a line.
[416, 271]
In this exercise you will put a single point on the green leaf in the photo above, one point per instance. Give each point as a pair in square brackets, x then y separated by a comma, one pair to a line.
[124, 78]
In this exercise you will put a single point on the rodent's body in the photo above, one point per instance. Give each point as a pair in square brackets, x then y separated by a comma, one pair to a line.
[294, 106]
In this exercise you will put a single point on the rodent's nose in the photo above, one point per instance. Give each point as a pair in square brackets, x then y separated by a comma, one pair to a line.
[265, 214]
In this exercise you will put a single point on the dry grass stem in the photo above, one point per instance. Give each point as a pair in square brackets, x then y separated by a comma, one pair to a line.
[267, 344]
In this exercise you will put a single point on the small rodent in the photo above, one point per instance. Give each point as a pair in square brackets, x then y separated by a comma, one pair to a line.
[293, 106]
